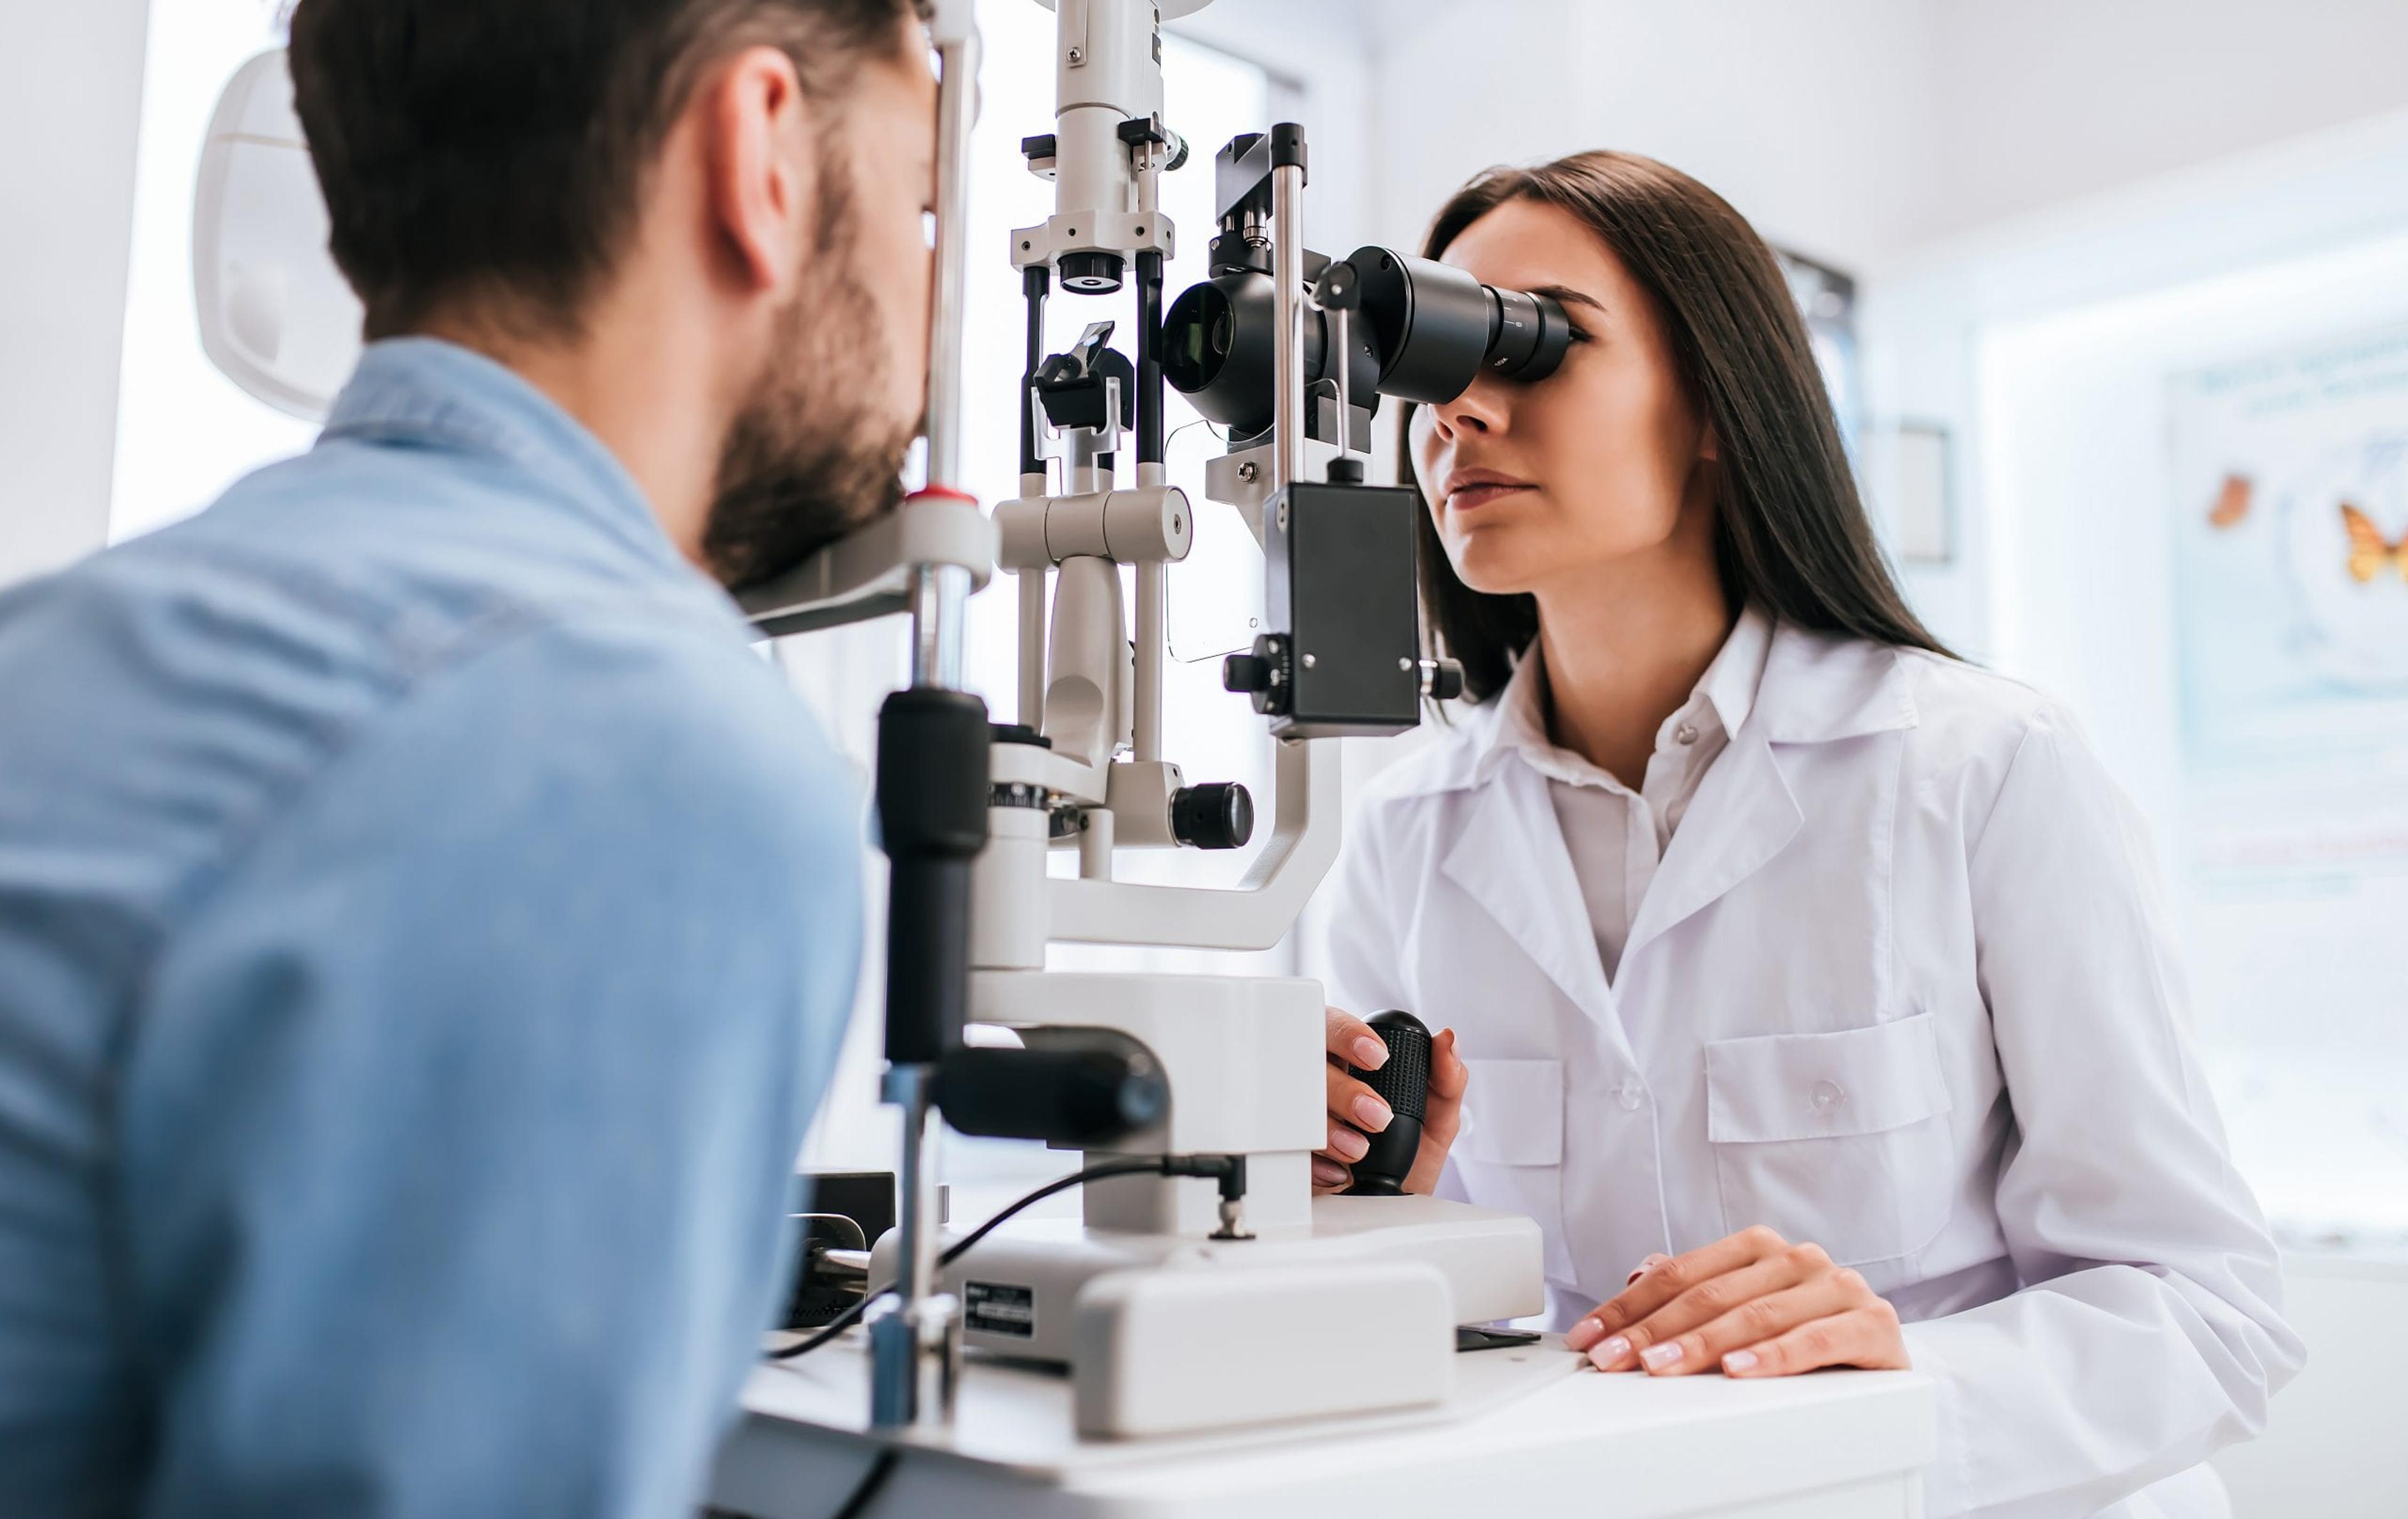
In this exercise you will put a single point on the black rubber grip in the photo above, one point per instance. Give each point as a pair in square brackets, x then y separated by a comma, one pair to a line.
[1402, 1082]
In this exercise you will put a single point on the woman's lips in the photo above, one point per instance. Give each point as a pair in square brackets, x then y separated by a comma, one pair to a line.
[1473, 497]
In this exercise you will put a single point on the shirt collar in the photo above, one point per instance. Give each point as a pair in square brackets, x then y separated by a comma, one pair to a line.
[1732, 680]
[424, 389]
[1729, 687]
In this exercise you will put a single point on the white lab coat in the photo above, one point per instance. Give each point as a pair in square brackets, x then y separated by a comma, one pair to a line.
[1903, 986]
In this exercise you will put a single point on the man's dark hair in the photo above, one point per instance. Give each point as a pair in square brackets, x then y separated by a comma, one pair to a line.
[494, 150]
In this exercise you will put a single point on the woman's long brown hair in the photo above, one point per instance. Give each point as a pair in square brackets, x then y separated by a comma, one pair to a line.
[1790, 532]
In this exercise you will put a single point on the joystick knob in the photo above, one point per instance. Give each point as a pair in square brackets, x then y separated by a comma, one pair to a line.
[1403, 1085]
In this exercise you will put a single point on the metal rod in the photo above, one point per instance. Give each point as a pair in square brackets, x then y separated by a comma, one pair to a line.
[1032, 647]
[1149, 362]
[1345, 388]
[1287, 350]
[940, 598]
[955, 102]
[1095, 844]
[1034, 283]
[910, 1379]
[1145, 739]
[908, 1331]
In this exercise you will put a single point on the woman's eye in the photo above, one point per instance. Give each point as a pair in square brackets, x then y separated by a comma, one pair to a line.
[1579, 335]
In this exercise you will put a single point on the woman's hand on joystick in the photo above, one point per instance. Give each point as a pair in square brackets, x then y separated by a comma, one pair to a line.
[1355, 1110]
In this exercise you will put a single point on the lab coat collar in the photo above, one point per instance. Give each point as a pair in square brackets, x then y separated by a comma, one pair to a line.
[1813, 688]
[1822, 687]
[1728, 691]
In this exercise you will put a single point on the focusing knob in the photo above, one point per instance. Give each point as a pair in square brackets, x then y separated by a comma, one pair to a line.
[1441, 678]
[1218, 814]
[1244, 673]
[1262, 675]
[1339, 288]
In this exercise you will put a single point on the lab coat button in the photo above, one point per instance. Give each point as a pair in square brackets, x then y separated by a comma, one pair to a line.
[1630, 1095]
[1828, 1097]
[1685, 734]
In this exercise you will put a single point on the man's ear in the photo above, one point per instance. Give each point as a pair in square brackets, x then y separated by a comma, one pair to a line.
[762, 173]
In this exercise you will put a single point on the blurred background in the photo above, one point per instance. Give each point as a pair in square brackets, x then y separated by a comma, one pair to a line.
[2112, 298]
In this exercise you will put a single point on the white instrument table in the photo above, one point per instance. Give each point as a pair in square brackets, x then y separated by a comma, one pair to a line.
[1532, 1432]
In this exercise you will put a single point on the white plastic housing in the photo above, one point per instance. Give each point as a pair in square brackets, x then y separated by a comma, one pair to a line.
[1170, 1351]
[276, 315]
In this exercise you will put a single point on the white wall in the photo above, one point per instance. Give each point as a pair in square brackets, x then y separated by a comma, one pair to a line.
[2333, 1450]
[1813, 119]
[2040, 101]
[70, 97]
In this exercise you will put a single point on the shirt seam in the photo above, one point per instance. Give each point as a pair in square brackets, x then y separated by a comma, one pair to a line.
[1981, 835]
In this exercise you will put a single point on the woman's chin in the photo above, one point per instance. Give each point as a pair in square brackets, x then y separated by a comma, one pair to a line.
[1494, 570]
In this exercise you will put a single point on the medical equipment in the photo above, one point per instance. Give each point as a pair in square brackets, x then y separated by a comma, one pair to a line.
[1176, 1306]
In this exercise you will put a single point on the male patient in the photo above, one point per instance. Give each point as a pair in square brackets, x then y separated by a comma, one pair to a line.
[425, 927]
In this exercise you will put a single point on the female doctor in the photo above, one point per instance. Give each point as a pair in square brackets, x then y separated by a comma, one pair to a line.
[1808, 985]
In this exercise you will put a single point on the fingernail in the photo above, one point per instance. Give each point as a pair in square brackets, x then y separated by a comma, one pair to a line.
[1656, 1358]
[1611, 1354]
[1370, 1054]
[1583, 1332]
[1739, 1361]
[1327, 1174]
[1349, 1144]
[1373, 1113]
[1635, 1276]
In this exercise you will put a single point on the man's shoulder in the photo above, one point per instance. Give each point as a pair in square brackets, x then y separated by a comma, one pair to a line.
[171, 695]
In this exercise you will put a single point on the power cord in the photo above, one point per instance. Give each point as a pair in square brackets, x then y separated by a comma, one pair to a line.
[1230, 1170]
[872, 1482]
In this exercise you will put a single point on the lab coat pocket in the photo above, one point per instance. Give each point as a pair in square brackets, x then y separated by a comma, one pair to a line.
[1510, 1152]
[1841, 1139]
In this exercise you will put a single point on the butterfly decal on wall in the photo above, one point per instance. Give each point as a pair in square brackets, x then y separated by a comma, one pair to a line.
[2232, 502]
[2369, 550]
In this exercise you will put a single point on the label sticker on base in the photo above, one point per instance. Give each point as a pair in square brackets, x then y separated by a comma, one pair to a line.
[998, 1308]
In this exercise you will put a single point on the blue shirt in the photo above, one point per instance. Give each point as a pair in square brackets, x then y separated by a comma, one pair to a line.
[425, 928]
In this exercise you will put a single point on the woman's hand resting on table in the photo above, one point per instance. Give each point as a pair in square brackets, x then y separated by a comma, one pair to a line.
[1355, 1112]
[1753, 1304]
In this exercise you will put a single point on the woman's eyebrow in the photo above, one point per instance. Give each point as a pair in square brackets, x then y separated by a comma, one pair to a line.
[1567, 296]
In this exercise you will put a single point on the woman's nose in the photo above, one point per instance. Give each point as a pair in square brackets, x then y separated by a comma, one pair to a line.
[1478, 409]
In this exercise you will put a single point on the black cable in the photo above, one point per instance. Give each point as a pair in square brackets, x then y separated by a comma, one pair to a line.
[1157, 1165]
[866, 1491]
[1061, 1183]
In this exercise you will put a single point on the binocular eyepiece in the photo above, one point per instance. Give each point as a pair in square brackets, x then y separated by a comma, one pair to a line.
[1421, 330]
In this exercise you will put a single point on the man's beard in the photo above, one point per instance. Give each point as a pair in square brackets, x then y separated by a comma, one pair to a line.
[808, 458]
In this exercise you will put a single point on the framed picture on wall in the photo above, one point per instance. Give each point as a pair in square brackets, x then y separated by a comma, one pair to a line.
[1925, 515]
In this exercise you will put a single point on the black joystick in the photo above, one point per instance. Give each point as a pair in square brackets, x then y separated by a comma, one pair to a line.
[1403, 1085]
